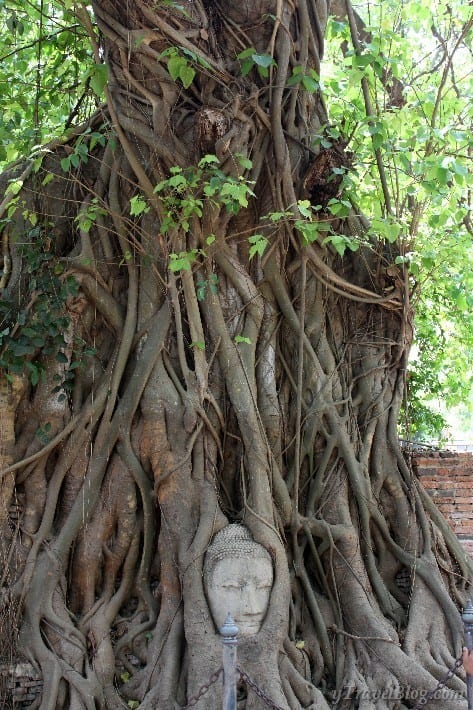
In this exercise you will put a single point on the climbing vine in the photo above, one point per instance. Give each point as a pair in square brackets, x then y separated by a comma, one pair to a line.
[217, 274]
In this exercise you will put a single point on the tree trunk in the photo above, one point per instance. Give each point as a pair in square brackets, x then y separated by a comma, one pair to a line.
[223, 386]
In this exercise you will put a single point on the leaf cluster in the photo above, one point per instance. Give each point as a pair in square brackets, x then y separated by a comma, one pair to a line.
[415, 60]
[36, 326]
[45, 73]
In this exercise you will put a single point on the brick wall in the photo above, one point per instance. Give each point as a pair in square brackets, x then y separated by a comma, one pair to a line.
[20, 685]
[448, 477]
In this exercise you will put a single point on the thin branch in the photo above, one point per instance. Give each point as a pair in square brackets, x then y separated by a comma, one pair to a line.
[369, 107]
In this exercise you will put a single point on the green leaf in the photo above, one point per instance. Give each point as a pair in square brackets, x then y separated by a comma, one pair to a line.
[37, 163]
[138, 205]
[246, 53]
[200, 345]
[337, 26]
[305, 208]
[259, 244]
[208, 159]
[174, 66]
[14, 187]
[49, 177]
[179, 68]
[178, 182]
[29, 332]
[20, 349]
[246, 67]
[339, 208]
[309, 231]
[263, 60]
[42, 433]
[341, 242]
[201, 289]
[182, 261]
[296, 77]
[385, 229]
[213, 283]
[277, 216]
[35, 370]
[195, 57]
[98, 78]
[310, 84]
[245, 162]
[242, 339]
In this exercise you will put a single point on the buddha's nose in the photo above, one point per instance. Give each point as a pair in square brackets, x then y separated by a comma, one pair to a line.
[249, 599]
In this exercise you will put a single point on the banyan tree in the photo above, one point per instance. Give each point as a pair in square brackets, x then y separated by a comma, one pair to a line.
[192, 337]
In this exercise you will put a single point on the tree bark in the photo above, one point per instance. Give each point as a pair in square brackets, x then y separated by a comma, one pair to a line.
[257, 388]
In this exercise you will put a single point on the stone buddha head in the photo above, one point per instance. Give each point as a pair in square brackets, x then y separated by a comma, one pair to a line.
[238, 577]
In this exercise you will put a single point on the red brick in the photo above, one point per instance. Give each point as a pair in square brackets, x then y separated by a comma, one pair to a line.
[448, 472]
[448, 508]
[442, 500]
[425, 463]
[429, 482]
[464, 485]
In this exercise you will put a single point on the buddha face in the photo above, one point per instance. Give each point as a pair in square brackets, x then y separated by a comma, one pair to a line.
[241, 586]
